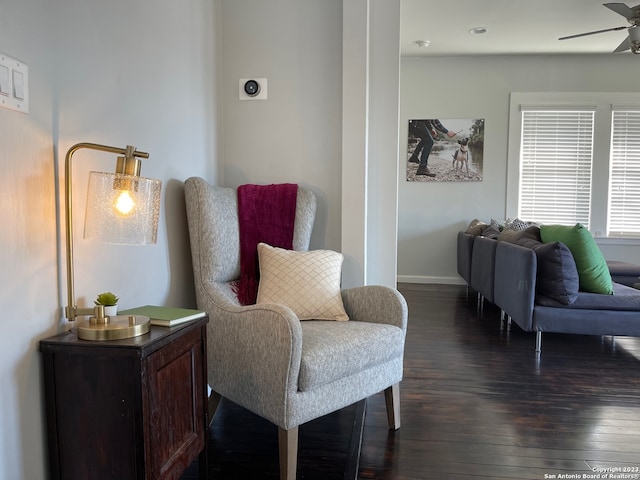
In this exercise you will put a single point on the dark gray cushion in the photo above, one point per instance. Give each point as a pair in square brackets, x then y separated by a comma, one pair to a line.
[623, 268]
[515, 277]
[528, 237]
[464, 252]
[475, 227]
[483, 266]
[624, 298]
[623, 272]
[491, 232]
[557, 276]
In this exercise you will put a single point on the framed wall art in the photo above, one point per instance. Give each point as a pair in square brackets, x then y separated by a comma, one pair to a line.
[445, 150]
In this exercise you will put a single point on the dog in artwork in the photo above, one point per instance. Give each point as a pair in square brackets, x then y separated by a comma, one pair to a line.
[461, 156]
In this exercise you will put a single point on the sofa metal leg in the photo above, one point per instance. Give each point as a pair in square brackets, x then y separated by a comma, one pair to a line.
[288, 449]
[538, 341]
[480, 304]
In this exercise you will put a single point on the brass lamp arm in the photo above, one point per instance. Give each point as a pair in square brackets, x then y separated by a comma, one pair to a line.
[128, 165]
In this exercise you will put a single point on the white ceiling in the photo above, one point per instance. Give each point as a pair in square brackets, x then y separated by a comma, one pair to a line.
[514, 27]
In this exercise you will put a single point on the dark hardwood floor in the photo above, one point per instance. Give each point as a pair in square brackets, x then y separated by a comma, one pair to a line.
[476, 403]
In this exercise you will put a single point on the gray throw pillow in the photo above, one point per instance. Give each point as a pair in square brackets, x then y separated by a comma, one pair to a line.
[491, 232]
[529, 237]
[476, 227]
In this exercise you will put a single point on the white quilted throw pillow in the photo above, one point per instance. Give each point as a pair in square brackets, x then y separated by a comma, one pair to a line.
[306, 282]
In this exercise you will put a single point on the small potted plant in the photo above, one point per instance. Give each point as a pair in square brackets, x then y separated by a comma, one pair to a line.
[110, 302]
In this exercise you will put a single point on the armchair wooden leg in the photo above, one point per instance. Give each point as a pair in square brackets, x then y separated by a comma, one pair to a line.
[214, 401]
[288, 446]
[392, 399]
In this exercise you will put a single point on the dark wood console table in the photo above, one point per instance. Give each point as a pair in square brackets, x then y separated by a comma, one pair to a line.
[127, 409]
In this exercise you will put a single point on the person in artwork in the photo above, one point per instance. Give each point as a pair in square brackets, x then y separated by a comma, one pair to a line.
[427, 132]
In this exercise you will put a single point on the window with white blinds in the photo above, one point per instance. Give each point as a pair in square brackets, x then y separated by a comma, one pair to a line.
[556, 154]
[624, 188]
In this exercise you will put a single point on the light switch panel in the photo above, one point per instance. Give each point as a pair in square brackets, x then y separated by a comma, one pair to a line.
[14, 84]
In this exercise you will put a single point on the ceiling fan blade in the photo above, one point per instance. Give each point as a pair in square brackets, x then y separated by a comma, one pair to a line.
[593, 33]
[624, 46]
[622, 9]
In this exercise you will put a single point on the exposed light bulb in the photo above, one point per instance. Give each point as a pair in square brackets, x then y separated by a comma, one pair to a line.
[124, 204]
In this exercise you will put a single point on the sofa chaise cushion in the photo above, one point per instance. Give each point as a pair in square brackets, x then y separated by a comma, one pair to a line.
[623, 299]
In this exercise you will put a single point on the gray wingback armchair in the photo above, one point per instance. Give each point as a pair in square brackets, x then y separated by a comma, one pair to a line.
[265, 359]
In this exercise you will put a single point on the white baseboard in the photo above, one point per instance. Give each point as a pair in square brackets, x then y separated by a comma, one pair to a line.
[425, 279]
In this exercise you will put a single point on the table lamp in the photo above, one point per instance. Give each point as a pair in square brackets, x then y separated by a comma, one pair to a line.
[123, 208]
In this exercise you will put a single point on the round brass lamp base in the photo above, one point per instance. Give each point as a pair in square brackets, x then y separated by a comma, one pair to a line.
[116, 327]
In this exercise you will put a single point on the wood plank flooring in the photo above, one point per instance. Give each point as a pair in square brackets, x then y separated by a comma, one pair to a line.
[477, 403]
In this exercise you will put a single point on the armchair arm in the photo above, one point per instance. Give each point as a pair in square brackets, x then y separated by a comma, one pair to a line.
[376, 304]
[254, 354]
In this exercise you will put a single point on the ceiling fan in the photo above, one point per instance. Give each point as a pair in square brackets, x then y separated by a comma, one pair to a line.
[632, 14]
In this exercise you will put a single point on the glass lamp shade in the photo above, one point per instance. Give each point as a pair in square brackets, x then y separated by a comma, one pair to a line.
[122, 209]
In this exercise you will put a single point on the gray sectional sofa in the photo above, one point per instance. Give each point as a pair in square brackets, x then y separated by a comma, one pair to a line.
[536, 285]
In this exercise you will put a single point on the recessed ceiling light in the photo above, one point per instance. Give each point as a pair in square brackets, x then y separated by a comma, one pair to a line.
[423, 43]
[478, 30]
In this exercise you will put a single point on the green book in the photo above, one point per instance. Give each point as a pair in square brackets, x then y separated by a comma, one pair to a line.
[165, 316]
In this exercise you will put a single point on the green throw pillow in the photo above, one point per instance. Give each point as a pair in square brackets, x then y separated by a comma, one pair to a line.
[592, 267]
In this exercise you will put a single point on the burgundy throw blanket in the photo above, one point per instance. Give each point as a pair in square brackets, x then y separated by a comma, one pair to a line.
[266, 213]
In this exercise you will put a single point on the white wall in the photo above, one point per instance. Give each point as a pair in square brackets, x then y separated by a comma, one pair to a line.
[29, 293]
[295, 135]
[118, 72]
[371, 75]
[382, 136]
[430, 214]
